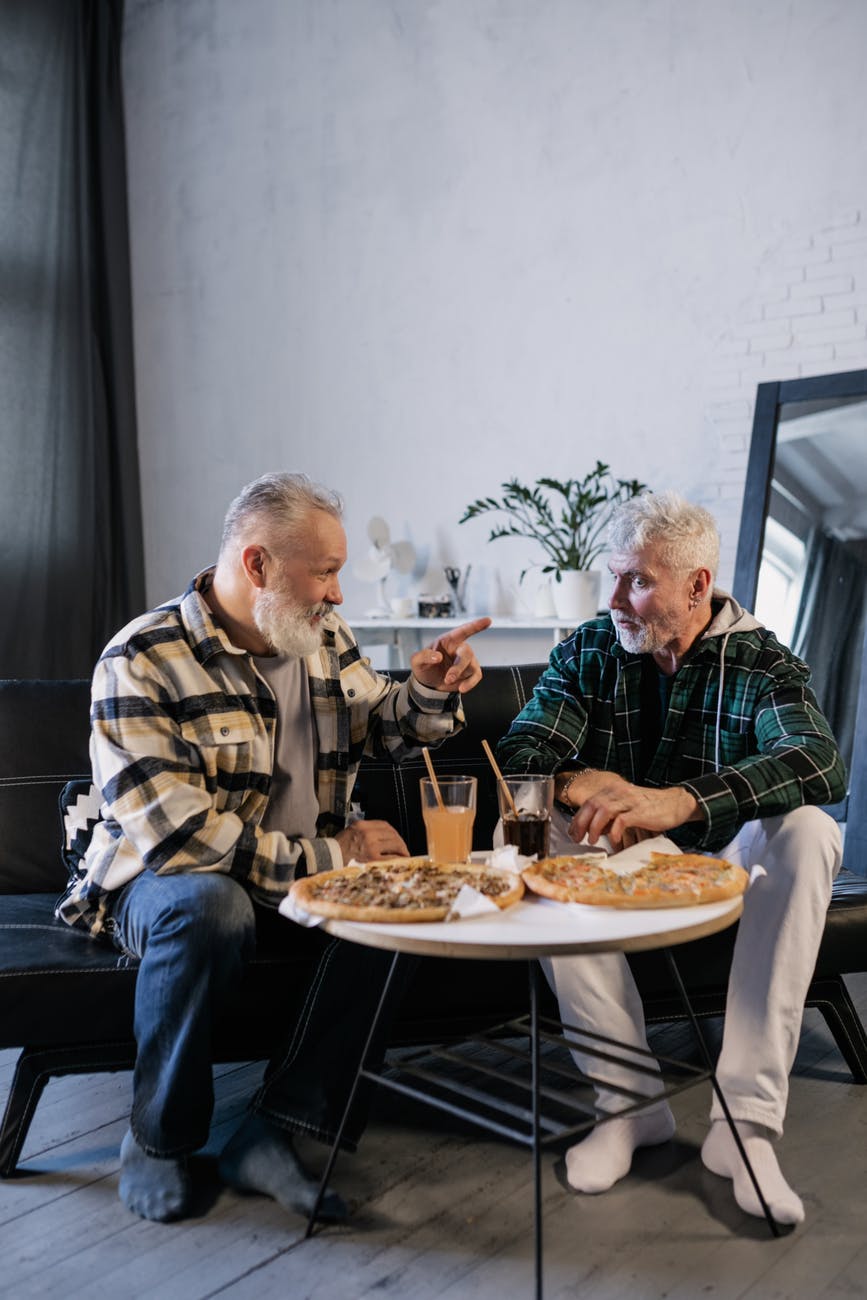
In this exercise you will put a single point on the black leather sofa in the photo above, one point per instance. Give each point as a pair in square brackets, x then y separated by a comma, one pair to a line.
[66, 1000]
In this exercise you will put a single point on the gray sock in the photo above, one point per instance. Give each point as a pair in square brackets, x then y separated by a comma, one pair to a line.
[261, 1158]
[151, 1186]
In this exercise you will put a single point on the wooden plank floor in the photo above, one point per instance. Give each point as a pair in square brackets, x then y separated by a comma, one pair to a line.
[441, 1210]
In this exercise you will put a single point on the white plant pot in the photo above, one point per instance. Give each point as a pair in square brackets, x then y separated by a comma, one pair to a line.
[576, 595]
[544, 604]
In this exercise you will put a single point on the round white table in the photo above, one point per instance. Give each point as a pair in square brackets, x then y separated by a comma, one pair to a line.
[535, 927]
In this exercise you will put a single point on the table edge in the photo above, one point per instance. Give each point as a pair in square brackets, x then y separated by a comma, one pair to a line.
[393, 942]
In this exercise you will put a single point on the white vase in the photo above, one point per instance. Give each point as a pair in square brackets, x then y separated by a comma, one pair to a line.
[544, 603]
[576, 595]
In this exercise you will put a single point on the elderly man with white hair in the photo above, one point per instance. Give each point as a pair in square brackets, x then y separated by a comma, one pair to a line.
[228, 726]
[678, 713]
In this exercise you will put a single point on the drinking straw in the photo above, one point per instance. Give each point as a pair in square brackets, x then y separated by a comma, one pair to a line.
[498, 774]
[434, 782]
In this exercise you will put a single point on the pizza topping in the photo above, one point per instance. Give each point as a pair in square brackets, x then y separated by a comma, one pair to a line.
[421, 887]
[669, 880]
[401, 889]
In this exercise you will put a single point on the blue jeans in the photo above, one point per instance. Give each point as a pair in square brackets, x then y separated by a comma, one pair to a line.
[193, 933]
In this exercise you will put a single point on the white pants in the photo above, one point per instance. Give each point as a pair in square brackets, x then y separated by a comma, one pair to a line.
[774, 956]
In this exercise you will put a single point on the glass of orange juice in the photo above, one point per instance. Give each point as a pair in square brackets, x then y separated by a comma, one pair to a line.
[449, 819]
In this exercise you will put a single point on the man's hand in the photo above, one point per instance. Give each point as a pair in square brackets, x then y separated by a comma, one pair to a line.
[450, 664]
[626, 813]
[365, 841]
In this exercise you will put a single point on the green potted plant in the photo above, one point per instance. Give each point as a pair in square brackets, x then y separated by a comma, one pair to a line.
[567, 519]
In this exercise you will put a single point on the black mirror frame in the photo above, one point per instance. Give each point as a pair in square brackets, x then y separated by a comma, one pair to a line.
[757, 491]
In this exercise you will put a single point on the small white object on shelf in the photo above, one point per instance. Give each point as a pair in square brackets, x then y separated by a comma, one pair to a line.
[382, 557]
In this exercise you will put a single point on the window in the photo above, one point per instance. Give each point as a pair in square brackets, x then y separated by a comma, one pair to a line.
[781, 579]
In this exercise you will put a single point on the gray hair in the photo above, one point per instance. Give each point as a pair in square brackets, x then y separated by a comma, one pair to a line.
[280, 504]
[686, 535]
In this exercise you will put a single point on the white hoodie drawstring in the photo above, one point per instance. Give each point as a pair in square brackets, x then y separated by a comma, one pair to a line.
[719, 699]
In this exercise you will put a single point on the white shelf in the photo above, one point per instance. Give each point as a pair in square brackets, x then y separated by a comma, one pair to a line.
[389, 624]
[403, 636]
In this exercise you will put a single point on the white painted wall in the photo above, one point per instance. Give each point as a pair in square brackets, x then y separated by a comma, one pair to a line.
[413, 248]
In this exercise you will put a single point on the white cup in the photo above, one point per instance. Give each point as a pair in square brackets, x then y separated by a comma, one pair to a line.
[402, 606]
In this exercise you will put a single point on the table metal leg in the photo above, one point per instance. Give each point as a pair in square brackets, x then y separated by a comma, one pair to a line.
[708, 1060]
[367, 1069]
[362, 1065]
[535, 1102]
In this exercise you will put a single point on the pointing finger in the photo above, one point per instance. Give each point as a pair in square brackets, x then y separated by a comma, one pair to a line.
[451, 640]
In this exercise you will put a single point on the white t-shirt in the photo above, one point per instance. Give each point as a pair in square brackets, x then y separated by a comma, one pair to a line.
[292, 805]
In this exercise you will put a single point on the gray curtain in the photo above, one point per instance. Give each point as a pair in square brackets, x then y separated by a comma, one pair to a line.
[829, 631]
[71, 568]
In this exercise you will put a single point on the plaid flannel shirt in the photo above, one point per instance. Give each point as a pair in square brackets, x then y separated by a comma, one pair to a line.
[182, 746]
[739, 692]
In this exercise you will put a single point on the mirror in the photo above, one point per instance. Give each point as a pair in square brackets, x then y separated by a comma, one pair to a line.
[802, 554]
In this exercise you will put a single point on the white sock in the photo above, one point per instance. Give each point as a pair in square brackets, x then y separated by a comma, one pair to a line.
[720, 1155]
[605, 1157]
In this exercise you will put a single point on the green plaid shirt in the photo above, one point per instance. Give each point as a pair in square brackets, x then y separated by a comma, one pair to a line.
[182, 750]
[739, 695]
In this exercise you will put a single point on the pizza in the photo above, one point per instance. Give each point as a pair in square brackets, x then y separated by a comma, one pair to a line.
[668, 880]
[401, 889]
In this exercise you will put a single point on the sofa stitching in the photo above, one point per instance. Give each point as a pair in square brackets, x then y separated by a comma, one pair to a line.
[306, 1011]
[39, 779]
[401, 795]
[31, 971]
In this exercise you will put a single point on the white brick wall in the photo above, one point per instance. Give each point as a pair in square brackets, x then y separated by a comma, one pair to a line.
[808, 316]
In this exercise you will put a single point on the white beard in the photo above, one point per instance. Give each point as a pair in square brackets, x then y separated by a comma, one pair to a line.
[285, 624]
[646, 638]
[634, 640]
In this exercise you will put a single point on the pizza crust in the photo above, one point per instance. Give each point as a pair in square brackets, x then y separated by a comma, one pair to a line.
[400, 890]
[669, 880]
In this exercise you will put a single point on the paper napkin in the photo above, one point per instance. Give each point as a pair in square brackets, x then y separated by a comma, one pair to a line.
[469, 902]
[628, 860]
[288, 907]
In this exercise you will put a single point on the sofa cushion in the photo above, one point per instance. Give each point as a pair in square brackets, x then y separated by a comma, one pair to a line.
[43, 743]
[58, 985]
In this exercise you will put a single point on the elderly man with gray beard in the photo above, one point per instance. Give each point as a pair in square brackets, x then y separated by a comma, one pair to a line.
[227, 730]
[678, 713]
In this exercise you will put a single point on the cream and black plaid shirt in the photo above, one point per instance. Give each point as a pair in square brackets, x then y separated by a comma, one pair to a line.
[182, 749]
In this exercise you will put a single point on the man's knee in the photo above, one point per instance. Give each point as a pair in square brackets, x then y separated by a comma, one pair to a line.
[212, 909]
[800, 850]
[808, 835]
